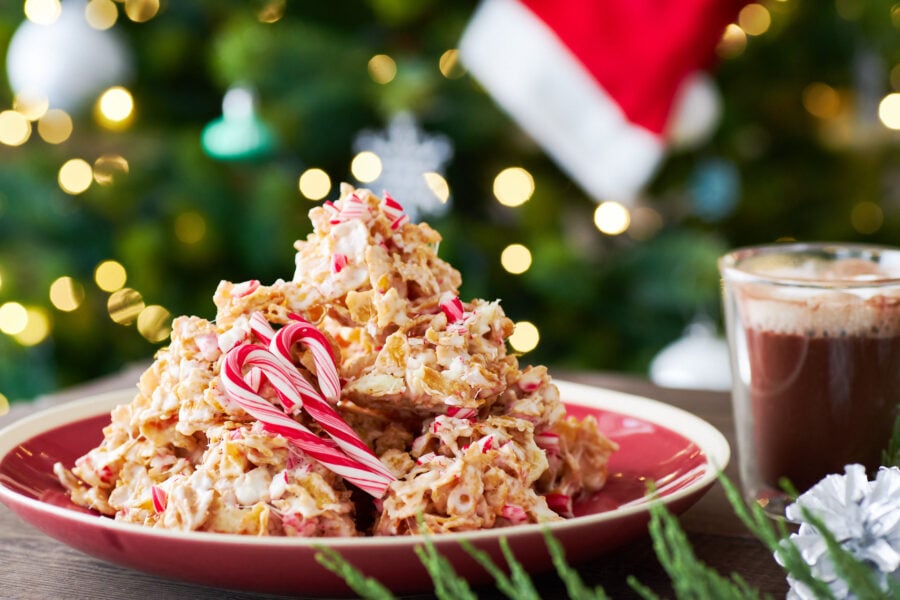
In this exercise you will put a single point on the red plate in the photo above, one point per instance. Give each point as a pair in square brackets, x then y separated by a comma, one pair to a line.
[683, 457]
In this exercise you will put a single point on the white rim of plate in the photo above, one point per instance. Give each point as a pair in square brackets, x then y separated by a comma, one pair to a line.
[709, 439]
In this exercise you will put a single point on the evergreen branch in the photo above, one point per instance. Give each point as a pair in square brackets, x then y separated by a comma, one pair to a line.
[518, 587]
[447, 584]
[366, 587]
[575, 587]
[642, 590]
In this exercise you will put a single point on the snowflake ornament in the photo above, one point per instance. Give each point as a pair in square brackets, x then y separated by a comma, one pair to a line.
[407, 155]
[864, 517]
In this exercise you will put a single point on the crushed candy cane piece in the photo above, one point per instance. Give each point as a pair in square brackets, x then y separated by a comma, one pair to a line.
[452, 307]
[160, 499]
[338, 262]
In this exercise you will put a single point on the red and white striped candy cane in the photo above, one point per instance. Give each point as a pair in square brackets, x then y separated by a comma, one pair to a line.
[260, 326]
[452, 307]
[394, 211]
[352, 207]
[302, 331]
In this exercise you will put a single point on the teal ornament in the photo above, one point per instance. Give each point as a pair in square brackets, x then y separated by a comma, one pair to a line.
[239, 134]
[715, 188]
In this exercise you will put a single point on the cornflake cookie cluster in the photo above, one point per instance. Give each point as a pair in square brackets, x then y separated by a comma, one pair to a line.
[342, 403]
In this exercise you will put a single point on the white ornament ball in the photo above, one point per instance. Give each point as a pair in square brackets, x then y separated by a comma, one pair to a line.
[698, 360]
[68, 62]
[696, 112]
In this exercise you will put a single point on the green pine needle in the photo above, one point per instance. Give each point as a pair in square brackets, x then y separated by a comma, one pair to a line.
[574, 585]
[519, 587]
[367, 587]
[447, 584]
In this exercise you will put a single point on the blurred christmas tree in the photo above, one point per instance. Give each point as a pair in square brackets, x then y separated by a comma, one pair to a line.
[184, 143]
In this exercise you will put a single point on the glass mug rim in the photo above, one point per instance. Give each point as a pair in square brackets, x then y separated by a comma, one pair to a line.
[732, 264]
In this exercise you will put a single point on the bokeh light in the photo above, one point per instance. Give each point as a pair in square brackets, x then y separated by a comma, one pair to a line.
[66, 294]
[450, 66]
[382, 69]
[13, 318]
[516, 259]
[272, 11]
[612, 218]
[32, 105]
[110, 276]
[438, 185]
[154, 323]
[101, 14]
[107, 167]
[889, 111]
[141, 11]
[115, 107]
[513, 186]
[645, 223]
[821, 100]
[43, 12]
[315, 184]
[37, 327]
[55, 126]
[366, 167]
[733, 42]
[525, 337]
[75, 176]
[14, 128]
[866, 217]
[190, 227]
[125, 305]
[754, 19]
[4, 405]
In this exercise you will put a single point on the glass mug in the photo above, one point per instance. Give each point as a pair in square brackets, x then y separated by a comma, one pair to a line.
[814, 340]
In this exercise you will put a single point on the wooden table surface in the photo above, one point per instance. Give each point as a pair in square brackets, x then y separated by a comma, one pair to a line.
[34, 566]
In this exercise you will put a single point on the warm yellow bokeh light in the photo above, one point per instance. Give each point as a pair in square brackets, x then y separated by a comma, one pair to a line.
[516, 259]
[272, 11]
[525, 337]
[382, 68]
[13, 318]
[866, 217]
[32, 105]
[125, 305]
[612, 218]
[4, 405]
[513, 186]
[43, 12]
[14, 128]
[154, 323]
[115, 106]
[66, 294]
[754, 19]
[107, 166]
[141, 11]
[450, 66]
[37, 327]
[821, 100]
[438, 185]
[889, 111]
[55, 126]
[733, 42]
[366, 167]
[110, 276]
[190, 227]
[75, 176]
[315, 184]
[101, 14]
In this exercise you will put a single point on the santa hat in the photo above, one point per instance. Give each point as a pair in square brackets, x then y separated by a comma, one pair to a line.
[594, 81]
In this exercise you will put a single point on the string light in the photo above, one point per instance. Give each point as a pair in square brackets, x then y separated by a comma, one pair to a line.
[141, 11]
[821, 100]
[525, 337]
[154, 323]
[32, 105]
[43, 12]
[513, 186]
[450, 66]
[612, 218]
[66, 294]
[125, 305]
[190, 227]
[271, 12]
[438, 185]
[315, 184]
[101, 14]
[515, 259]
[107, 166]
[366, 167]
[382, 69]
[754, 19]
[110, 276]
[75, 176]
[14, 128]
[37, 327]
[866, 217]
[55, 126]
[115, 107]
[889, 111]
[733, 42]
[13, 318]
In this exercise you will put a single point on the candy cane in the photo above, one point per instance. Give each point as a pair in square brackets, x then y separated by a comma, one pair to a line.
[460, 412]
[301, 330]
[261, 328]
[160, 500]
[352, 207]
[338, 262]
[245, 289]
[394, 211]
[452, 307]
